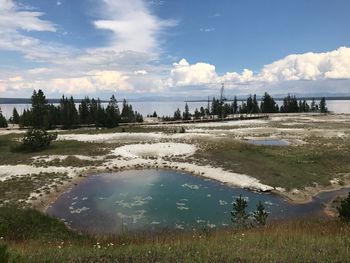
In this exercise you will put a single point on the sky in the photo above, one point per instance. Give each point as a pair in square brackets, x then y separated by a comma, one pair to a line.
[139, 48]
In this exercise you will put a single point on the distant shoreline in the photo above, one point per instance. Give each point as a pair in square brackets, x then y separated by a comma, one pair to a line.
[28, 100]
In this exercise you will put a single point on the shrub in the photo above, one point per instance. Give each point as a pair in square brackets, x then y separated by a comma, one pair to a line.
[260, 215]
[3, 121]
[344, 209]
[239, 216]
[36, 140]
[4, 255]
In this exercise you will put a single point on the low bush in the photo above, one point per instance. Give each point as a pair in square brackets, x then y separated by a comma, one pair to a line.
[4, 255]
[36, 140]
[344, 209]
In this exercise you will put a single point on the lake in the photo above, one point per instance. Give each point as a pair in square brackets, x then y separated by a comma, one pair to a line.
[154, 200]
[167, 108]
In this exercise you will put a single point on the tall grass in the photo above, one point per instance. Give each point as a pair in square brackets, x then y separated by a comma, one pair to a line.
[48, 240]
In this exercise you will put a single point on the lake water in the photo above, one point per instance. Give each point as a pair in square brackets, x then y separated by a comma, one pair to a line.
[153, 200]
[269, 142]
[167, 108]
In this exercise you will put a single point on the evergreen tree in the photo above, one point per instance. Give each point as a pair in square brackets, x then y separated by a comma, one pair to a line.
[202, 111]
[239, 216]
[177, 115]
[112, 113]
[323, 108]
[268, 104]
[69, 114]
[138, 117]
[313, 105]
[186, 113]
[84, 112]
[15, 116]
[249, 108]
[197, 114]
[290, 105]
[93, 112]
[235, 105]
[25, 118]
[344, 209]
[243, 108]
[155, 115]
[215, 107]
[3, 121]
[260, 215]
[39, 109]
[100, 120]
[227, 109]
[255, 105]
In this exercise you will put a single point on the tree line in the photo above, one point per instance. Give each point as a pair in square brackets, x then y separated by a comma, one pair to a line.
[43, 115]
[251, 106]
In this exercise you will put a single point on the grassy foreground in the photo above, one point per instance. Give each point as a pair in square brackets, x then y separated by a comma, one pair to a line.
[33, 237]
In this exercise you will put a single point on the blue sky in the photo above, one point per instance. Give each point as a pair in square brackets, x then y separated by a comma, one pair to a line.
[163, 47]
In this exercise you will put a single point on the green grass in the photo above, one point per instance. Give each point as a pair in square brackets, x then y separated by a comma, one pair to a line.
[320, 160]
[11, 157]
[34, 237]
[18, 189]
[69, 161]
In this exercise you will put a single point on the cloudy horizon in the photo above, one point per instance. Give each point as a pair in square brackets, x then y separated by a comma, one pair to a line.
[140, 48]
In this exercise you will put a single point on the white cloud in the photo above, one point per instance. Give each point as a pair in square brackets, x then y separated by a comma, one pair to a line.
[333, 65]
[207, 30]
[309, 66]
[132, 25]
[184, 74]
[14, 19]
[140, 72]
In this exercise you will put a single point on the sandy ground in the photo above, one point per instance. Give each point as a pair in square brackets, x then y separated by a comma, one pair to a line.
[155, 150]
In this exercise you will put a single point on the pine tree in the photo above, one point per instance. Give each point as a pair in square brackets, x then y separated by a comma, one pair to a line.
[39, 109]
[15, 116]
[249, 104]
[112, 113]
[239, 216]
[235, 105]
[69, 114]
[323, 108]
[268, 104]
[197, 114]
[260, 215]
[313, 105]
[177, 115]
[84, 111]
[344, 209]
[100, 115]
[202, 111]
[186, 113]
[3, 121]
[255, 105]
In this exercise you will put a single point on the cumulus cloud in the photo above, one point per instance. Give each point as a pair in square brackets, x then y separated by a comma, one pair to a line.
[333, 65]
[88, 83]
[184, 74]
[309, 66]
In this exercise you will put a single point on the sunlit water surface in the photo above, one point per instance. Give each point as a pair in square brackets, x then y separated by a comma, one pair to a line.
[153, 200]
